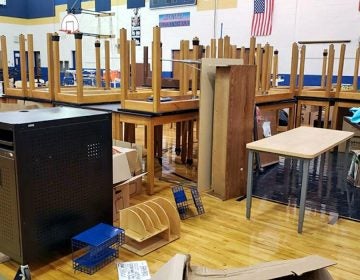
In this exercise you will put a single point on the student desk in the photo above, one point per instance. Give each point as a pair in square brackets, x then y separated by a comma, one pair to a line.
[304, 143]
[150, 120]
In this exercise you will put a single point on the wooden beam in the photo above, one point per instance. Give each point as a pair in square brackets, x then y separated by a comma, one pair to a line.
[269, 68]
[213, 48]
[340, 68]
[258, 62]
[242, 53]
[79, 67]
[5, 66]
[207, 51]
[323, 70]
[185, 79]
[233, 51]
[275, 68]
[181, 68]
[265, 66]
[294, 67]
[252, 51]
[146, 64]
[50, 61]
[55, 42]
[156, 68]
[330, 68]
[98, 63]
[226, 46]
[195, 71]
[356, 69]
[128, 72]
[133, 65]
[107, 65]
[23, 64]
[220, 48]
[325, 42]
[123, 70]
[30, 42]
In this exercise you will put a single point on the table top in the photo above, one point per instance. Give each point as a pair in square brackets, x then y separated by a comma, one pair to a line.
[303, 142]
[116, 108]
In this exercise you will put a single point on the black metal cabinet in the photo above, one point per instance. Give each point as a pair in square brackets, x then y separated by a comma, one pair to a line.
[55, 179]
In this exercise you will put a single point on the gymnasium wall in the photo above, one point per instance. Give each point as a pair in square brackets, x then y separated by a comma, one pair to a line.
[293, 20]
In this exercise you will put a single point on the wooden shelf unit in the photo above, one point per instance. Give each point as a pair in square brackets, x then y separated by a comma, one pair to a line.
[149, 225]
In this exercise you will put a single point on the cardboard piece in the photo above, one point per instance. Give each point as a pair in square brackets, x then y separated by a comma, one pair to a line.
[131, 156]
[310, 267]
[121, 170]
[135, 165]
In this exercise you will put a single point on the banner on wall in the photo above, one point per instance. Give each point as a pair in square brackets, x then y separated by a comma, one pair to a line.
[174, 20]
[136, 29]
[155, 4]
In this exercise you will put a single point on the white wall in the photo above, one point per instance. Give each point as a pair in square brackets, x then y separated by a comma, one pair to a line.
[12, 32]
[293, 20]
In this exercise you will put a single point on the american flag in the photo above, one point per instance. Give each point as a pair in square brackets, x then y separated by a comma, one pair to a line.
[262, 18]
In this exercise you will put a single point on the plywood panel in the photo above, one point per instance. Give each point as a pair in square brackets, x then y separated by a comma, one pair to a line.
[234, 105]
[207, 85]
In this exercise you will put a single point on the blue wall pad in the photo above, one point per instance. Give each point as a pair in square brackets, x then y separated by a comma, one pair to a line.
[74, 6]
[41, 8]
[15, 8]
[102, 5]
[60, 2]
[133, 4]
[315, 80]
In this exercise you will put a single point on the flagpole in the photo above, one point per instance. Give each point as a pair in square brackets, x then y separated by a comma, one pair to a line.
[215, 18]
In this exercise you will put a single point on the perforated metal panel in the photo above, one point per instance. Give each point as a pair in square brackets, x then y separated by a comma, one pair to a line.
[67, 173]
[9, 229]
[64, 180]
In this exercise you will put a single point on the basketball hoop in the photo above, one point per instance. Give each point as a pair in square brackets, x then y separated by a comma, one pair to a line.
[69, 24]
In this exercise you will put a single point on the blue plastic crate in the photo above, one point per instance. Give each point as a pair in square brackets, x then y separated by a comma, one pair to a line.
[96, 247]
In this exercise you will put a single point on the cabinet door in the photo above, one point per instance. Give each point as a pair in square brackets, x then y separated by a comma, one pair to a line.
[9, 211]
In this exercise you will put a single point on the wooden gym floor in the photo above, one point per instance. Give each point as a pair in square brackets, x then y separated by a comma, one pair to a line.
[222, 237]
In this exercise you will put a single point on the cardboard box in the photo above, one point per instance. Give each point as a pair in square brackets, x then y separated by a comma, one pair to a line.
[134, 154]
[355, 140]
[121, 169]
[311, 267]
[132, 158]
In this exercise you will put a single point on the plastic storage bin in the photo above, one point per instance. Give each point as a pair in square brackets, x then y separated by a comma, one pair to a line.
[96, 247]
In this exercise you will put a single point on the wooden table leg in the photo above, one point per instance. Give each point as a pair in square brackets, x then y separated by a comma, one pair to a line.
[190, 143]
[158, 130]
[291, 117]
[150, 157]
[129, 134]
[184, 141]
[298, 114]
[178, 138]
